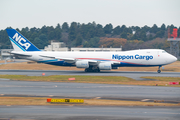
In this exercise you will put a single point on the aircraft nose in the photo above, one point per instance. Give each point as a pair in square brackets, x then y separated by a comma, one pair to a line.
[173, 58]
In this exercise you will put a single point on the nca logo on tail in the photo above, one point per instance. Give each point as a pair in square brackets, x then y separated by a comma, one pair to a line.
[21, 41]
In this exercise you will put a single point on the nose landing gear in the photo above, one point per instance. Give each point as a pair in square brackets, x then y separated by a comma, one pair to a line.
[159, 69]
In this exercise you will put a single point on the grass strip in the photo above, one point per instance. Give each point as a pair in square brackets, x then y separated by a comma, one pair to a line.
[153, 81]
[164, 81]
[79, 78]
[8, 101]
[168, 79]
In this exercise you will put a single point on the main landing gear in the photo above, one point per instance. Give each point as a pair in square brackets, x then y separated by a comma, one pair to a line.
[159, 69]
[92, 70]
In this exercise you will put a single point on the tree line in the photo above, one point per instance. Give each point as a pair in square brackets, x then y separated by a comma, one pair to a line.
[95, 35]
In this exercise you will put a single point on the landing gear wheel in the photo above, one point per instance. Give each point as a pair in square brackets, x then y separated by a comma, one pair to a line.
[91, 70]
[159, 71]
[96, 70]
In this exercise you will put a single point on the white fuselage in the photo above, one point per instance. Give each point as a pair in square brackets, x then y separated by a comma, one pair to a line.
[145, 57]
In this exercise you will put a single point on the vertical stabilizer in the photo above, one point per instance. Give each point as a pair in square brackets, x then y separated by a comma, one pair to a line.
[19, 42]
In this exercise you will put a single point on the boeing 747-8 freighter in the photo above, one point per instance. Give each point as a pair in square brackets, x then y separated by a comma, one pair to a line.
[91, 61]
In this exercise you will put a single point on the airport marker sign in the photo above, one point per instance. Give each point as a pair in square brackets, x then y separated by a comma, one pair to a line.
[65, 100]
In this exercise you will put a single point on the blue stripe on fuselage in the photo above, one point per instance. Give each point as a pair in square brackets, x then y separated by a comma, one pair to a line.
[56, 62]
[63, 63]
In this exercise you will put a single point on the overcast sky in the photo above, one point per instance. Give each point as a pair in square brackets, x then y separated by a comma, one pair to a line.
[37, 13]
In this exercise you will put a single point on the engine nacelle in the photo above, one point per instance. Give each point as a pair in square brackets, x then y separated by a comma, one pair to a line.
[104, 66]
[82, 64]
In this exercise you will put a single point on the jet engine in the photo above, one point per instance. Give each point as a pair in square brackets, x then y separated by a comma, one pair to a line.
[104, 66]
[82, 64]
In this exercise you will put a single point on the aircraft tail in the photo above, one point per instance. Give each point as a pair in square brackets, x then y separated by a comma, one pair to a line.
[19, 42]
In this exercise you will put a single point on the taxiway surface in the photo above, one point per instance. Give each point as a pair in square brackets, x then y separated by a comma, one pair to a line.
[134, 75]
[89, 113]
[83, 90]
[86, 90]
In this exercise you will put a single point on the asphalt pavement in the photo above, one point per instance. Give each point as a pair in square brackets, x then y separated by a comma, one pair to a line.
[130, 74]
[88, 113]
[84, 90]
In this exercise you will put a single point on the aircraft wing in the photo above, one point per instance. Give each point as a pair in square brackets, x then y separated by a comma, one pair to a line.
[73, 60]
[68, 60]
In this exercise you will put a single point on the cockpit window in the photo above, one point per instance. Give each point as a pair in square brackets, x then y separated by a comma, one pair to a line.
[164, 51]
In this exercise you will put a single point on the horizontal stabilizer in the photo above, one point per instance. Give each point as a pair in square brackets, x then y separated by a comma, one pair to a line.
[21, 55]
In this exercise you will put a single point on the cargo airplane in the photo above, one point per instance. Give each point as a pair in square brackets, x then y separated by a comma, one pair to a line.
[91, 61]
